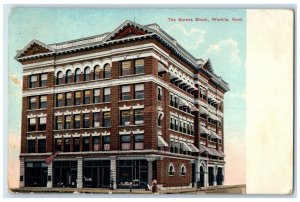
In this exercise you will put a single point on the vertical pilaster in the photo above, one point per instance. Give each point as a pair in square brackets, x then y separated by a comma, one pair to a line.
[79, 172]
[22, 173]
[206, 184]
[215, 175]
[150, 171]
[113, 171]
[197, 173]
[49, 175]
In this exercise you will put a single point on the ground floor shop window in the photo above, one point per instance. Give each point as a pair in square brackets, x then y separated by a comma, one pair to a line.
[65, 173]
[135, 171]
[36, 174]
[219, 177]
[210, 176]
[96, 174]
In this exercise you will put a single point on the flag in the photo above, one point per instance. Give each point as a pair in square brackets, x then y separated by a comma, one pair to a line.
[50, 158]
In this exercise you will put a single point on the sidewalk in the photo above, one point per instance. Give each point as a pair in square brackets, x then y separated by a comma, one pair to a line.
[224, 189]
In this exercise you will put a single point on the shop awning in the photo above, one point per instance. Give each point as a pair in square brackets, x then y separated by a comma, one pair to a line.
[214, 117]
[203, 149]
[203, 130]
[161, 142]
[194, 148]
[186, 147]
[220, 154]
[193, 108]
[214, 135]
[203, 110]
[183, 103]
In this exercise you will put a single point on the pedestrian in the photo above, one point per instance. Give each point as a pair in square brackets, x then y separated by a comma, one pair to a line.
[154, 185]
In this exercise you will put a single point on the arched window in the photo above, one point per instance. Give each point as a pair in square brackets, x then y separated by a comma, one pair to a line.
[87, 72]
[68, 76]
[97, 72]
[77, 75]
[107, 71]
[59, 77]
[171, 169]
[182, 170]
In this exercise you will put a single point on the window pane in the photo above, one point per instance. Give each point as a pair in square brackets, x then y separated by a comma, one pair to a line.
[125, 138]
[125, 117]
[107, 71]
[138, 116]
[126, 68]
[125, 93]
[139, 66]
[139, 91]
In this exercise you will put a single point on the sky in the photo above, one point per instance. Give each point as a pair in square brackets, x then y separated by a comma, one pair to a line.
[223, 42]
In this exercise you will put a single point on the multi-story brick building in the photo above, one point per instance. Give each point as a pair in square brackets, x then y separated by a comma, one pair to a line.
[130, 105]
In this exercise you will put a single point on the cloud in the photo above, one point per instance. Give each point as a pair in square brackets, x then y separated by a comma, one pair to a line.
[15, 80]
[191, 39]
[227, 47]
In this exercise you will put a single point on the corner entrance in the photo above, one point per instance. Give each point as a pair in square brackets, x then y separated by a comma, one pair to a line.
[36, 174]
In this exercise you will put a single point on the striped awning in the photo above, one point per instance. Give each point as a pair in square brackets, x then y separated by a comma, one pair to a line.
[203, 110]
[204, 130]
[203, 149]
[161, 142]
[214, 135]
[194, 148]
[213, 117]
[186, 147]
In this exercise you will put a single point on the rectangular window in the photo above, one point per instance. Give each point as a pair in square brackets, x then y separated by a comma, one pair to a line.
[76, 144]
[159, 120]
[139, 91]
[106, 143]
[86, 144]
[58, 144]
[180, 126]
[96, 98]
[58, 122]
[125, 142]
[139, 66]
[125, 68]
[42, 123]
[106, 95]
[172, 123]
[43, 80]
[77, 97]
[31, 124]
[33, 81]
[106, 119]
[41, 145]
[77, 121]
[67, 144]
[125, 92]
[30, 146]
[96, 143]
[184, 127]
[176, 100]
[32, 103]
[138, 141]
[125, 118]
[68, 122]
[171, 100]
[176, 124]
[59, 100]
[68, 99]
[86, 120]
[159, 93]
[43, 101]
[96, 119]
[87, 95]
[138, 116]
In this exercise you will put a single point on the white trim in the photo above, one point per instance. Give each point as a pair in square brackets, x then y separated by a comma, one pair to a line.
[41, 136]
[86, 111]
[58, 136]
[96, 110]
[125, 107]
[58, 113]
[106, 109]
[76, 135]
[95, 134]
[31, 116]
[138, 106]
[124, 132]
[67, 135]
[138, 131]
[27, 72]
[76, 111]
[85, 134]
[31, 137]
[105, 133]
